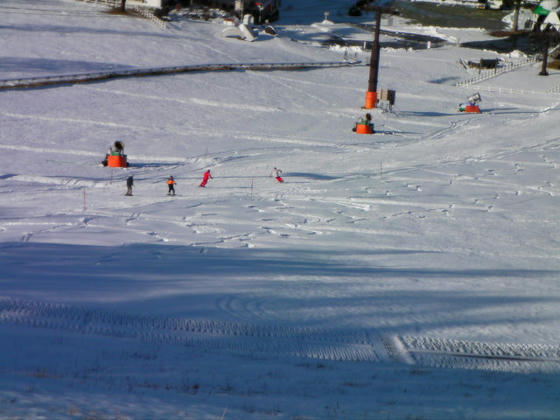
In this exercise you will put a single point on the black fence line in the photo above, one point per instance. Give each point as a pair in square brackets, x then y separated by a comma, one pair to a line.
[33, 82]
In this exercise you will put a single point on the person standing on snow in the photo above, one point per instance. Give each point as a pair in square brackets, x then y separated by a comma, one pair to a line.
[277, 173]
[207, 176]
[129, 184]
[171, 184]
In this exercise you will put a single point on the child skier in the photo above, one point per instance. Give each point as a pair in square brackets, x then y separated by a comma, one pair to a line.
[277, 173]
[207, 176]
[171, 184]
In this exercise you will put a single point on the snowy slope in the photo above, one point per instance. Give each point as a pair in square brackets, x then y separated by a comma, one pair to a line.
[408, 274]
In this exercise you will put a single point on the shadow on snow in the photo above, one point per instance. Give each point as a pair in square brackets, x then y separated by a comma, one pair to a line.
[298, 287]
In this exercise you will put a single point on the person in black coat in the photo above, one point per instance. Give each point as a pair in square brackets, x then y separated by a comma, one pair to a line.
[129, 184]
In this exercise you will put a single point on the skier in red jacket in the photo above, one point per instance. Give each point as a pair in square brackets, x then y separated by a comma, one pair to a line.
[207, 176]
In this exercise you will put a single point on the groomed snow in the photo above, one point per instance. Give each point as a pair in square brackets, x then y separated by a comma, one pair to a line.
[411, 274]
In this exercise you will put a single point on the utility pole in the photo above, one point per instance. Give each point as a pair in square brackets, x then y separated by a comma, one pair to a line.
[371, 94]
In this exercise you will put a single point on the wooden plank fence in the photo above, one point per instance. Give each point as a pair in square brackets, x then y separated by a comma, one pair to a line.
[33, 82]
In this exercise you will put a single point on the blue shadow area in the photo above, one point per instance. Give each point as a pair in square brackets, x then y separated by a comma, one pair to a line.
[243, 284]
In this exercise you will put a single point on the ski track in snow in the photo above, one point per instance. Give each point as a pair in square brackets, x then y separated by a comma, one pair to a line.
[37, 149]
[284, 223]
[290, 87]
[182, 132]
[442, 129]
[340, 112]
[189, 101]
[277, 341]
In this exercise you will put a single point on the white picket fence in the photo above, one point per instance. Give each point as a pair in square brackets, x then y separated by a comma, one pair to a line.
[489, 74]
[148, 13]
[144, 11]
[501, 90]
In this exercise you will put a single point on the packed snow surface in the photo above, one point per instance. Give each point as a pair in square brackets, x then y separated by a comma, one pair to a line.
[409, 274]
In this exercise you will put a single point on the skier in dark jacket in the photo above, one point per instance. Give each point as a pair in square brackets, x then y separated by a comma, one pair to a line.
[129, 184]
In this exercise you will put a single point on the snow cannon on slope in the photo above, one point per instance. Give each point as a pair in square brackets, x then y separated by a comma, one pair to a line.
[115, 157]
[364, 125]
[472, 104]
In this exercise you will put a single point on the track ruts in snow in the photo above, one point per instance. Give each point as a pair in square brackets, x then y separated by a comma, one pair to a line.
[283, 341]
[275, 341]
[450, 353]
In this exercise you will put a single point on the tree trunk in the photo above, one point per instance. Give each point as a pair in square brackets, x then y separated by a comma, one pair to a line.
[516, 16]
[123, 3]
[544, 72]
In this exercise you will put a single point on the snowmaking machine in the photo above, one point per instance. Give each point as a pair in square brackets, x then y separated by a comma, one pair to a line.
[115, 157]
[364, 125]
[472, 104]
